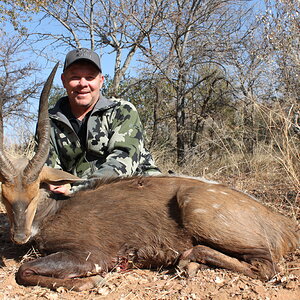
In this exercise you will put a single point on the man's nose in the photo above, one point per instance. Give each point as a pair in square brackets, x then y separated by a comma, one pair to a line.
[83, 81]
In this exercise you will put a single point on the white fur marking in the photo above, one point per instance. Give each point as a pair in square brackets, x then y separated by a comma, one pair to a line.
[186, 201]
[216, 205]
[98, 268]
[34, 230]
[200, 211]
[212, 190]
[88, 256]
[223, 217]
[197, 178]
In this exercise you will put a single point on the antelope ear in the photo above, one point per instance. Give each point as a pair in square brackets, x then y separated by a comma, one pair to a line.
[55, 176]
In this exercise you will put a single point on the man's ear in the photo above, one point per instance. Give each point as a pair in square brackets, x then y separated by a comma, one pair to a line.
[55, 176]
[63, 79]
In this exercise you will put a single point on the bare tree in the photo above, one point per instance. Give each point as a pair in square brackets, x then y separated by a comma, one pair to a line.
[264, 68]
[189, 40]
[16, 87]
[118, 26]
[282, 33]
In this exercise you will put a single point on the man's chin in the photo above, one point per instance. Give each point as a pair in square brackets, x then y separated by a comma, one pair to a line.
[82, 101]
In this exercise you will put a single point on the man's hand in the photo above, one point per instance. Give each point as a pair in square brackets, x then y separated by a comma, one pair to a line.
[60, 189]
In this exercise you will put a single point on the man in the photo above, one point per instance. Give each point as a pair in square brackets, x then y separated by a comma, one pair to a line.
[92, 136]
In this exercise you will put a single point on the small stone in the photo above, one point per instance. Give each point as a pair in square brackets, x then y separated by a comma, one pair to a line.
[219, 280]
[104, 291]
[51, 296]
[259, 289]
[291, 285]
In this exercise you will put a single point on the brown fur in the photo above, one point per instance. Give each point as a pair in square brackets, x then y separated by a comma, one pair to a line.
[154, 221]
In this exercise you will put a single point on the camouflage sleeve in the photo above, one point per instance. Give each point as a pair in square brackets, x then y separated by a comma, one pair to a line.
[125, 144]
[53, 160]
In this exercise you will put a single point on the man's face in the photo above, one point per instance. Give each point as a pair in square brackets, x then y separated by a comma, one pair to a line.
[82, 81]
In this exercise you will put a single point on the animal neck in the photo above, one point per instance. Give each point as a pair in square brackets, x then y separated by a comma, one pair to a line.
[47, 206]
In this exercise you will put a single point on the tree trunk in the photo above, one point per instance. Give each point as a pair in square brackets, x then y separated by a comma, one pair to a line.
[180, 128]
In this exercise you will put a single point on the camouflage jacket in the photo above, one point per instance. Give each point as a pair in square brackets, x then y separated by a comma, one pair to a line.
[114, 142]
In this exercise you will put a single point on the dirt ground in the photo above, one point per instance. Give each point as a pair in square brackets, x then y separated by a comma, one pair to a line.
[146, 284]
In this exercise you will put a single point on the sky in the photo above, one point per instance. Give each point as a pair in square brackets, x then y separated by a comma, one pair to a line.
[107, 59]
[107, 62]
[58, 54]
[35, 25]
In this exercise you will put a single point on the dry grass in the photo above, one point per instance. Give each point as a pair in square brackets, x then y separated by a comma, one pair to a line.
[271, 173]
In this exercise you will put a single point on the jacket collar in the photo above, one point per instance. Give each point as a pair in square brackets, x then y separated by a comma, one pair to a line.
[102, 104]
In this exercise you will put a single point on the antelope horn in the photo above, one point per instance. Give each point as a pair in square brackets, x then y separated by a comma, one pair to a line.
[34, 166]
[7, 170]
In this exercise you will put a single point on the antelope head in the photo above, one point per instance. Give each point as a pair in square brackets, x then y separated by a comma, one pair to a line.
[21, 179]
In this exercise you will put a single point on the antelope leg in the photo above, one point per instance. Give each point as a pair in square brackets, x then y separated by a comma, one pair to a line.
[207, 256]
[58, 270]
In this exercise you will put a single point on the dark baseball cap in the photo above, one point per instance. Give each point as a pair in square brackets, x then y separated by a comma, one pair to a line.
[82, 54]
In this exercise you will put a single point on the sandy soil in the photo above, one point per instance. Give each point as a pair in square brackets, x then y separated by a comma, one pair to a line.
[146, 284]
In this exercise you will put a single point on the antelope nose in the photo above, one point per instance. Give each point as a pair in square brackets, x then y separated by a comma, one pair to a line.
[20, 238]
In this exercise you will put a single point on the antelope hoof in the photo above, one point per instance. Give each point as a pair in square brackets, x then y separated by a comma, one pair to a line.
[89, 283]
[190, 268]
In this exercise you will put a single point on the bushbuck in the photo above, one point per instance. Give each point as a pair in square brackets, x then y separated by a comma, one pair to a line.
[143, 222]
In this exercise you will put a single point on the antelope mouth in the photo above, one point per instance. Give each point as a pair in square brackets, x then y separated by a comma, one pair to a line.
[20, 238]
